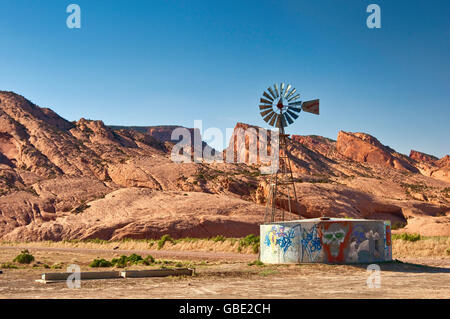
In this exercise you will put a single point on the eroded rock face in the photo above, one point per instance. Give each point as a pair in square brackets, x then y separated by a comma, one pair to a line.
[319, 144]
[432, 166]
[143, 213]
[365, 148]
[422, 157]
[443, 171]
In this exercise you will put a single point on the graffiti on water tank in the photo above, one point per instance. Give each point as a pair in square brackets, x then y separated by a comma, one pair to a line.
[364, 245]
[342, 241]
[310, 242]
[388, 241]
[335, 239]
[278, 237]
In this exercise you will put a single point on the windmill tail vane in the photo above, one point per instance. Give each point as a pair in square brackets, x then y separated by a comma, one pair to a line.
[280, 106]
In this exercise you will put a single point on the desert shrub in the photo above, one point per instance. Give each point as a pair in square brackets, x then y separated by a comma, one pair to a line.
[149, 260]
[218, 238]
[81, 208]
[398, 225]
[163, 240]
[407, 237]
[100, 263]
[134, 259]
[120, 262]
[446, 192]
[8, 266]
[249, 240]
[256, 263]
[24, 257]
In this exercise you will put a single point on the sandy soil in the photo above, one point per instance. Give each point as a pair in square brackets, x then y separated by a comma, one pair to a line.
[228, 275]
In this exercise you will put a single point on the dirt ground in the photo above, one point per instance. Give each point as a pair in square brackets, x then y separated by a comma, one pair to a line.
[227, 275]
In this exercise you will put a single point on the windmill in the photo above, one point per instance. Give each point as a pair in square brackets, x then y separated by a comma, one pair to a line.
[279, 107]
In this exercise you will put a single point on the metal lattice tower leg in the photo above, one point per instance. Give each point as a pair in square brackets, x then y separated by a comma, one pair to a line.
[281, 177]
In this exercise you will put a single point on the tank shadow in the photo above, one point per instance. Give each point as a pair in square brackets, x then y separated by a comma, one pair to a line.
[400, 266]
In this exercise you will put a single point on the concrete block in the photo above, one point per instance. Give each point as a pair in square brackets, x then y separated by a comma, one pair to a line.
[157, 273]
[62, 276]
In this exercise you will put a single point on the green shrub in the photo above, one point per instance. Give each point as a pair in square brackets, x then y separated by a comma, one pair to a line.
[163, 240]
[100, 263]
[124, 261]
[149, 260]
[249, 240]
[8, 266]
[256, 263]
[407, 237]
[120, 262]
[398, 225]
[24, 257]
[134, 259]
[218, 238]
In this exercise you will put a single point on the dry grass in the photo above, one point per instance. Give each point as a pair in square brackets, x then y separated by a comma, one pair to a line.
[228, 245]
[425, 247]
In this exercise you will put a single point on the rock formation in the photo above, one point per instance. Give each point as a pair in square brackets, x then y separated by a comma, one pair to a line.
[84, 179]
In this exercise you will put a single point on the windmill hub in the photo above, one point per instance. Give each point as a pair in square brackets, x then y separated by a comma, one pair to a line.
[280, 105]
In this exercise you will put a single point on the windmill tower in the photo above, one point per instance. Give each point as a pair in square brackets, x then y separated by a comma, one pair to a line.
[279, 107]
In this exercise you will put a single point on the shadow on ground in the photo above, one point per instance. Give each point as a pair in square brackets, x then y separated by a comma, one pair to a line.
[400, 266]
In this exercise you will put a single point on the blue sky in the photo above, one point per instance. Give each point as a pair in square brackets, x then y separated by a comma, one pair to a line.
[172, 62]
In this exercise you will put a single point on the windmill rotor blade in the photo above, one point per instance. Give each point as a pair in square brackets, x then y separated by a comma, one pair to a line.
[283, 121]
[311, 106]
[295, 116]
[290, 93]
[276, 90]
[295, 109]
[294, 98]
[278, 123]
[268, 96]
[287, 90]
[299, 103]
[288, 118]
[264, 107]
[268, 117]
[272, 121]
[265, 101]
[272, 92]
[264, 113]
[281, 89]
